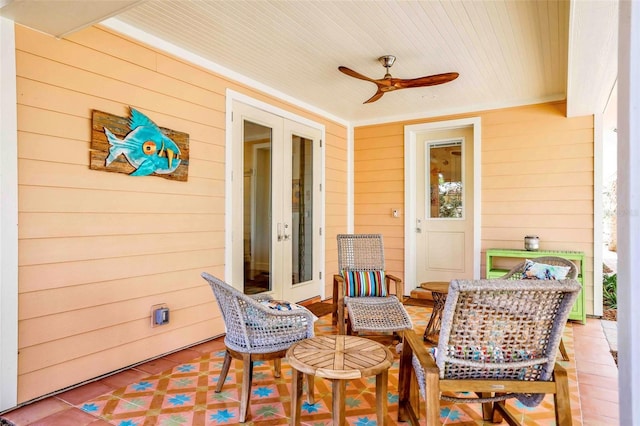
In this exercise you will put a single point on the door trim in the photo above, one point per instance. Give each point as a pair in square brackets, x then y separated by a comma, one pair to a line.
[410, 140]
[231, 97]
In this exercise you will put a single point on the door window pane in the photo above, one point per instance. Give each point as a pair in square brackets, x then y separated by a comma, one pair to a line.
[302, 208]
[445, 180]
[257, 208]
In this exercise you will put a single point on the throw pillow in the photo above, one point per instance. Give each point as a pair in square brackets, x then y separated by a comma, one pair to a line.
[278, 305]
[542, 271]
[365, 283]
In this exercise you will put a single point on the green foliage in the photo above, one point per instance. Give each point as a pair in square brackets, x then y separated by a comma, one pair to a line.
[610, 290]
[450, 199]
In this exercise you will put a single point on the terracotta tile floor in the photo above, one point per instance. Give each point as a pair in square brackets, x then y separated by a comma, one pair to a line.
[177, 389]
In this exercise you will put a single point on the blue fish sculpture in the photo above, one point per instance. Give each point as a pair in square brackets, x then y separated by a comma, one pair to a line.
[145, 147]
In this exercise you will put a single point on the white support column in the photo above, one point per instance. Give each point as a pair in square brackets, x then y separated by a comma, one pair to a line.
[629, 211]
[8, 219]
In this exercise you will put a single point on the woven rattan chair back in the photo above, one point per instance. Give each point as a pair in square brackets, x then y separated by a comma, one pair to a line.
[360, 252]
[517, 324]
[516, 272]
[253, 327]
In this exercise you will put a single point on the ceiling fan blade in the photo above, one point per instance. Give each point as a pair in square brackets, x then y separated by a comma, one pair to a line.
[374, 98]
[352, 73]
[388, 83]
[430, 80]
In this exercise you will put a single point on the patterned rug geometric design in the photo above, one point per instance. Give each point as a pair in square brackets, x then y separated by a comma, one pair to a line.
[185, 395]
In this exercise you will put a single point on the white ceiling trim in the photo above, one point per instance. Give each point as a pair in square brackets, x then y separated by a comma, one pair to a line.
[454, 111]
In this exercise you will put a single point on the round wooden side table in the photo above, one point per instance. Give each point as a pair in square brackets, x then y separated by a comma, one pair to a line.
[439, 291]
[339, 358]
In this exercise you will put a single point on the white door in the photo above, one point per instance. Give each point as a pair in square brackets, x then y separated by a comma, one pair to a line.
[444, 205]
[275, 237]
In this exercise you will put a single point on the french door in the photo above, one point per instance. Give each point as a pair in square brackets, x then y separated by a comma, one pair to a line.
[276, 205]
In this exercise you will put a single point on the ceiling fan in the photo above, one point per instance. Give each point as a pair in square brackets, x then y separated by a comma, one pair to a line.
[388, 83]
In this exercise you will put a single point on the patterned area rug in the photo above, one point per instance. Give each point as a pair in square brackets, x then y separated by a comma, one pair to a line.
[185, 395]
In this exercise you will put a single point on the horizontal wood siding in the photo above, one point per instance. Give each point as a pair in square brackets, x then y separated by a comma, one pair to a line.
[379, 188]
[537, 178]
[336, 202]
[96, 249]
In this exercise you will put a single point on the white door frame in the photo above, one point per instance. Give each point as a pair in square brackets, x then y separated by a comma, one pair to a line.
[231, 97]
[410, 140]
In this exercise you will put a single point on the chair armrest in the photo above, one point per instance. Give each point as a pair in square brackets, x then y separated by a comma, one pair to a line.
[259, 316]
[413, 341]
[399, 285]
[338, 288]
[260, 297]
[408, 404]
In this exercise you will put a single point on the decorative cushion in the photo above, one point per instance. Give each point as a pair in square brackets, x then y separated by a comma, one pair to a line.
[279, 305]
[365, 283]
[283, 305]
[542, 271]
[489, 353]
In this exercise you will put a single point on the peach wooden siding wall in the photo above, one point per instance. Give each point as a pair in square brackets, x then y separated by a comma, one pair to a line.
[97, 249]
[379, 188]
[537, 177]
[336, 202]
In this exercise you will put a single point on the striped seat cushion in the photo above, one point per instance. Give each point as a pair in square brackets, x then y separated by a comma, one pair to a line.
[365, 283]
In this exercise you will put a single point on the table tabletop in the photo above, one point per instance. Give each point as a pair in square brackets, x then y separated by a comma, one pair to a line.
[339, 357]
[437, 286]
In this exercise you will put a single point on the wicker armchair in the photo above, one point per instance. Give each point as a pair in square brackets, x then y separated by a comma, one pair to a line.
[363, 254]
[256, 332]
[516, 274]
[499, 339]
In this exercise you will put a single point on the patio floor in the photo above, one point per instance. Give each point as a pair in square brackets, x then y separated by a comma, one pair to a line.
[177, 389]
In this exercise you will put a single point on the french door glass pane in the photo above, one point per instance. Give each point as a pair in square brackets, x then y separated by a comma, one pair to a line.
[302, 208]
[257, 208]
[445, 180]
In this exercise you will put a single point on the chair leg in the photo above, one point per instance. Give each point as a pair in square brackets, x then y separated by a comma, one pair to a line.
[432, 399]
[563, 351]
[349, 329]
[277, 367]
[487, 407]
[341, 318]
[562, 397]
[247, 374]
[506, 415]
[334, 316]
[225, 370]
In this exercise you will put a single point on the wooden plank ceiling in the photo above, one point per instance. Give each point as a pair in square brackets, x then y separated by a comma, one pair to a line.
[508, 53]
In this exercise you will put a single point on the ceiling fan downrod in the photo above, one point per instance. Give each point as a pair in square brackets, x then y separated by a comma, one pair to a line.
[387, 62]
